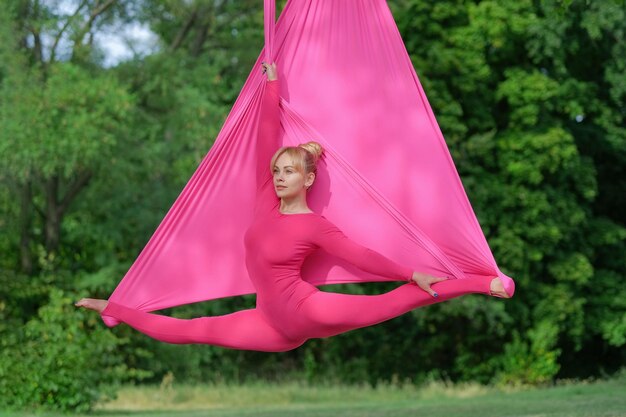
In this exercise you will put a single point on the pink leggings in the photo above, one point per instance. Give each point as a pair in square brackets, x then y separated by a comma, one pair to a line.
[322, 314]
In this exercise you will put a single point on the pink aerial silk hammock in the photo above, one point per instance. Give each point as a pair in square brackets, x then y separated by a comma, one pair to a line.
[387, 179]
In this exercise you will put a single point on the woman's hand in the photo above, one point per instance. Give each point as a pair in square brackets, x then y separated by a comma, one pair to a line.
[425, 281]
[270, 70]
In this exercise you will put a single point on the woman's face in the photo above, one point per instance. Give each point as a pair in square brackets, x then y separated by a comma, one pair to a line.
[287, 181]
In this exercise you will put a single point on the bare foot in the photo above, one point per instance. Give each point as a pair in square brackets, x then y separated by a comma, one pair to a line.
[92, 304]
[497, 289]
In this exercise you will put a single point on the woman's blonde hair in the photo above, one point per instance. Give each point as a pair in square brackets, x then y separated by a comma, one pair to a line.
[304, 156]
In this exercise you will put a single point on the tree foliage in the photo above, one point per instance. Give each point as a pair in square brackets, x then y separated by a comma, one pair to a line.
[530, 98]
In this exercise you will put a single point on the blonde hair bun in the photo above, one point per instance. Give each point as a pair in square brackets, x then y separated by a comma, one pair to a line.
[314, 148]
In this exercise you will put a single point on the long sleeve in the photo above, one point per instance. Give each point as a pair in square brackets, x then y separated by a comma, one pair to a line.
[334, 241]
[267, 139]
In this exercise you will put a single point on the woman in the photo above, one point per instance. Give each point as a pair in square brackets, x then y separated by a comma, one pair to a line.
[284, 232]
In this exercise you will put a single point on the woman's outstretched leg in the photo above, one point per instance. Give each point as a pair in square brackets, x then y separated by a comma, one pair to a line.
[245, 329]
[331, 313]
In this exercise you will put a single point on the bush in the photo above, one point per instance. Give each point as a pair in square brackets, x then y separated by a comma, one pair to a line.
[61, 359]
[533, 361]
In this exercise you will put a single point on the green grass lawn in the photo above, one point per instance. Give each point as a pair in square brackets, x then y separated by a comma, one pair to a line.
[597, 399]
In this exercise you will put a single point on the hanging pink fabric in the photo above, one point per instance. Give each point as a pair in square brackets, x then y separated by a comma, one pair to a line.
[387, 179]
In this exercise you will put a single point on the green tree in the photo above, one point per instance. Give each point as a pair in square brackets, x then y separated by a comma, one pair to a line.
[521, 90]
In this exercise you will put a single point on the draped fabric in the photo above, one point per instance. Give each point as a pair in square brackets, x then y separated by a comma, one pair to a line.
[387, 179]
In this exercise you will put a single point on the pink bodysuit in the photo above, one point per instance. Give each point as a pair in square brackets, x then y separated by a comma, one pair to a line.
[288, 309]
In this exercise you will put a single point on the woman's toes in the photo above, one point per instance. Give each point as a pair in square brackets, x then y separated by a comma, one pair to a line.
[497, 288]
[92, 304]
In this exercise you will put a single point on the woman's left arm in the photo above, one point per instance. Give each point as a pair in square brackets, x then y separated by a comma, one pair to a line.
[330, 238]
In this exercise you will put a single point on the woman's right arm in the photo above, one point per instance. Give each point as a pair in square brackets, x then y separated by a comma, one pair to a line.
[267, 138]
[269, 125]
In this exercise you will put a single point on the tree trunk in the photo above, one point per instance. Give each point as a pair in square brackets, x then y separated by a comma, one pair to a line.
[182, 33]
[53, 221]
[57, 206]
[26, 257]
